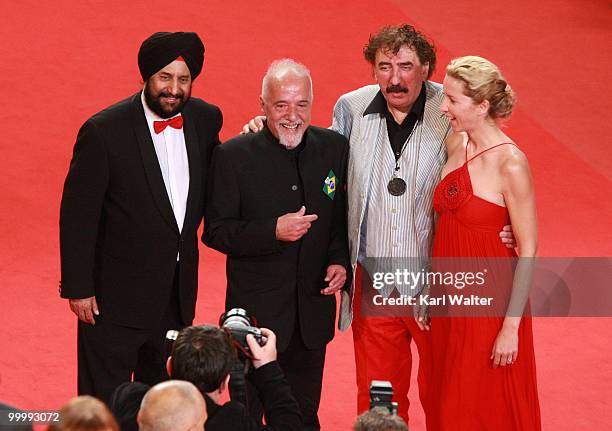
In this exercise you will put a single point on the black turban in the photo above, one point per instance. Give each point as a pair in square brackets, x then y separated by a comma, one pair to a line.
[163, 48]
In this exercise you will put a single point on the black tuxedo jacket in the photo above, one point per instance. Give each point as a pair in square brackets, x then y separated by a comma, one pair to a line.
[118, 236]
[253, 181]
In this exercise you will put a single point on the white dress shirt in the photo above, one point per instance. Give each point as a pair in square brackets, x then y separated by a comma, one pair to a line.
[173, 162]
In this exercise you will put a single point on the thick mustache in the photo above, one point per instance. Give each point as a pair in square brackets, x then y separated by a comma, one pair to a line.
[396, 89]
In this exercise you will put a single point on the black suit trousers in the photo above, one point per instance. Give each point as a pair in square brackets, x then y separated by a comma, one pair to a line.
[110, 354]
[303, 370]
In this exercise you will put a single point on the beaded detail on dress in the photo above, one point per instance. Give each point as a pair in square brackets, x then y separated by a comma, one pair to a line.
[456, 187]
[453, 190]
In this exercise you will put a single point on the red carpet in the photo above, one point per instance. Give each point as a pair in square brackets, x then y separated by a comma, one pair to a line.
[63, 61]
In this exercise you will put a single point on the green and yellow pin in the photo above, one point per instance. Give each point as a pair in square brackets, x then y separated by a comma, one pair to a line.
[329, 185]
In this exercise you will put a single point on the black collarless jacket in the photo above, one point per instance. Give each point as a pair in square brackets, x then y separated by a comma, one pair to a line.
[254, 180]
[118, 236]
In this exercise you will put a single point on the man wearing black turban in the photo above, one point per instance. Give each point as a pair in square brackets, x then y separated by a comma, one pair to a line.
[162, 48]
[132, 204]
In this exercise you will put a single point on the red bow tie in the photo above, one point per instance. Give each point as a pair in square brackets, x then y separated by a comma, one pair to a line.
[176, 123]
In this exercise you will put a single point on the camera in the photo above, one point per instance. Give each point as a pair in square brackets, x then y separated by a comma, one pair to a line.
[239, 324]
[381, 393]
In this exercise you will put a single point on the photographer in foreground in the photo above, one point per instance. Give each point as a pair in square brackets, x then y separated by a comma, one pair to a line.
[204, 355]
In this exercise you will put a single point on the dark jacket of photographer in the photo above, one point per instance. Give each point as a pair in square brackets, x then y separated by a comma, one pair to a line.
[253, 181]
[280, 408]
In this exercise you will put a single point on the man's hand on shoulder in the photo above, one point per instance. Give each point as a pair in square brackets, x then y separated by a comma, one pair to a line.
[507, 236]
[265, 354]
[85, 309]
[292, 226]
[336, 276]
[255, 125]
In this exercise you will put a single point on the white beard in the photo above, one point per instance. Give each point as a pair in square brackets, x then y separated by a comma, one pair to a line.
[290, 139]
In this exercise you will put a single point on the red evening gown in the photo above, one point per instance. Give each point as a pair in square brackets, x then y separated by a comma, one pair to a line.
[467, 393]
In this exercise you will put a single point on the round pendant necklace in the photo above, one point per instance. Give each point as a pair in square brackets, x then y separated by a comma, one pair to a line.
[396, 185]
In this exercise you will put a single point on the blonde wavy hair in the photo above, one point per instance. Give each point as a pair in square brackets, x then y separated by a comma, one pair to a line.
[483, 81]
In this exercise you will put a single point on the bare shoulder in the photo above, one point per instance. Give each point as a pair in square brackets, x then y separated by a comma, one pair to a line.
[513, 160]
[455, 143]
[515, 167]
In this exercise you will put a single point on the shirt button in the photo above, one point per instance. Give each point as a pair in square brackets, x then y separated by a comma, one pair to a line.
[294, 187]
[394, 244]
[393, 227]
[393, 210]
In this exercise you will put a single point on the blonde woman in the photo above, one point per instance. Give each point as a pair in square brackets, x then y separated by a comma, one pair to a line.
[484, 366]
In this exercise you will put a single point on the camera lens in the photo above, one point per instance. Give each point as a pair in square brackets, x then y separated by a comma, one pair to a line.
[235, 318]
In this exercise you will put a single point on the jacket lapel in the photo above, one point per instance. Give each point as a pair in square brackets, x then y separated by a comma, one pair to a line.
[369, 138]
[434, 130]
[364, 142]
[195, 168]
[150, 162]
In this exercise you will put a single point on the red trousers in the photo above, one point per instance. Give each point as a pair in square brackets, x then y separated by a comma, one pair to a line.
[382, 352]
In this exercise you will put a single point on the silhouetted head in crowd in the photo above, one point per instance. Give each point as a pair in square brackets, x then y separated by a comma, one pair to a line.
[379, 419]
[174, 405]
[203, 355]
[85, 413]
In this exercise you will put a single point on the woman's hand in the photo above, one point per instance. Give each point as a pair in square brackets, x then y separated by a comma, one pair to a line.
[505, 348]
